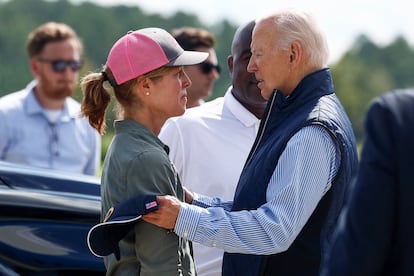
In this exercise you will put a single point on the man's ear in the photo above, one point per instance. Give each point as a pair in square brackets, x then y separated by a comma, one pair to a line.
[34, 67]
[230, 64]
[296, 53]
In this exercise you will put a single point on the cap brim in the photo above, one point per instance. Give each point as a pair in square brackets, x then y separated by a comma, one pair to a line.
[103, 238]
[188, 58]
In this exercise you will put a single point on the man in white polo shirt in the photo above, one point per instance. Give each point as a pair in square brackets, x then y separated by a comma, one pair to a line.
[210, 143]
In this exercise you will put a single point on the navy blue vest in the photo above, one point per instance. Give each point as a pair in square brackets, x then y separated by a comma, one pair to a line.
[312, 102]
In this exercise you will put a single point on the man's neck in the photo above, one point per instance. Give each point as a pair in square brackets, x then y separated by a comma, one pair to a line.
[47, 102]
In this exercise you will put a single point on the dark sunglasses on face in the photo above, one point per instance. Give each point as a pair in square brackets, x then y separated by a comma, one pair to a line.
[207, 67]
[59, 66]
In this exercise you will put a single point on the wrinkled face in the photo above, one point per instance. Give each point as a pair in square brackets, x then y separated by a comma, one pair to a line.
[170, 93]
[244, 83]
[269, 63]
[53, 84]
[202, 78]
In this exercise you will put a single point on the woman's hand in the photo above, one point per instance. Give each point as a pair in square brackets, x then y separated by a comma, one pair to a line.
[188, 196]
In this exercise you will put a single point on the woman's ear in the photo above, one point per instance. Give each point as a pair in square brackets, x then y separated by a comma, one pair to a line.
[144, 86]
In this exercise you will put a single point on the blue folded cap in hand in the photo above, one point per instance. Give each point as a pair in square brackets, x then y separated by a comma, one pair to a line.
[104, 237]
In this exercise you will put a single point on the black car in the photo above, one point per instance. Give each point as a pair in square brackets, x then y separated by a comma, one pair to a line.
[44, 220]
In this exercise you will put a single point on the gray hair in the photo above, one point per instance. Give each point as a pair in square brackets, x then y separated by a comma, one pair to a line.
[295, 25]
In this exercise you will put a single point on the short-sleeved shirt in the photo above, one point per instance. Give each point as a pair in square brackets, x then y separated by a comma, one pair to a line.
[137, 163]
[29, 136]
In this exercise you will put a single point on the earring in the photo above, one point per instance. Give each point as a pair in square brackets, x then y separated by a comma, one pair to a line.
[147, 93]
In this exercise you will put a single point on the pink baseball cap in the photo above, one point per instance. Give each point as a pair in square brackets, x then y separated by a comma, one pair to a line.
[141, 51]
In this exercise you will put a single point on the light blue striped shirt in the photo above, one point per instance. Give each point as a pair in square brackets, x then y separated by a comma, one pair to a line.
[301, 178]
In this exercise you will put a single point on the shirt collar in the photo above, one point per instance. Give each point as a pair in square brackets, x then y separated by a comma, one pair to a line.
[33, 107]
[238, 110]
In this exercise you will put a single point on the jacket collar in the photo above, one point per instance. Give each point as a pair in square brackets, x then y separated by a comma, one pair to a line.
[312, 86]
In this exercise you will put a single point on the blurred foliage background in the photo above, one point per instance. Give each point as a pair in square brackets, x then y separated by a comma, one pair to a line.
[365, 71]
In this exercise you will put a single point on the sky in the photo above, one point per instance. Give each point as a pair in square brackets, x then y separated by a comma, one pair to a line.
[381, 20]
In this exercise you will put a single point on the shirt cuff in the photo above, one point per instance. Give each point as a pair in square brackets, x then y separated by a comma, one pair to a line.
[203, 201]
[187, 221]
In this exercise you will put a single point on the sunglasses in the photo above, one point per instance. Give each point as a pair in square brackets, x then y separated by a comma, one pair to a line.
[59, 66]
[207, 67]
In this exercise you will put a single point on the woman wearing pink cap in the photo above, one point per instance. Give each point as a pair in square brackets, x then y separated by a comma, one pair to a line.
[145, 70]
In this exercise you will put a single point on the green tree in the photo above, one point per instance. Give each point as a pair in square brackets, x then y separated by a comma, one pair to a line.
[364, 72]
[99, 27]
[367, 71]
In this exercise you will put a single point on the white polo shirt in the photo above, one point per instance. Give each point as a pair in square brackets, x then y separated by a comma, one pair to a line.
[209, 145]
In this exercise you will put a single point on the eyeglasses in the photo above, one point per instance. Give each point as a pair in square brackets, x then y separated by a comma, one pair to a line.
[207, 67]
[59, 66]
